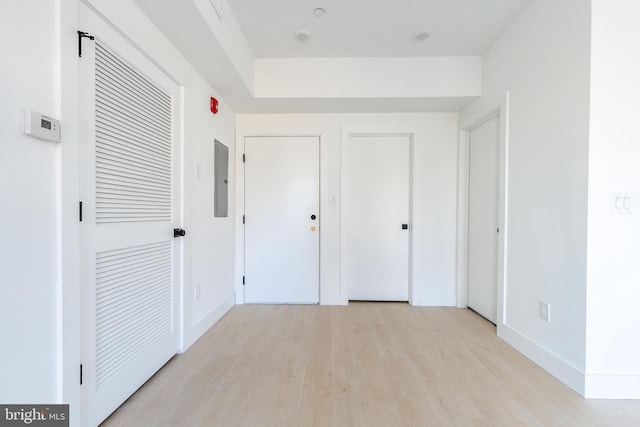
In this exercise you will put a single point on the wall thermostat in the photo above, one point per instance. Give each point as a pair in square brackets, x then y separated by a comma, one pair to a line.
[41, 127]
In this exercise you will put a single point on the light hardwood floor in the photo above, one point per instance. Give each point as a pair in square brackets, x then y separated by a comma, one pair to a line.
[368, 364]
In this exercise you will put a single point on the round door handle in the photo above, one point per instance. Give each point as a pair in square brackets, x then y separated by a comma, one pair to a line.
[313, 217]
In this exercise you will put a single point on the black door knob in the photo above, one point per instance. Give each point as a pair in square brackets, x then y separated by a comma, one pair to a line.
[313, 217]
[178, 232]
[405, 226]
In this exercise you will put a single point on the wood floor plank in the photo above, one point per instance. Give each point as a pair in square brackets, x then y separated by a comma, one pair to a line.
[367, 364]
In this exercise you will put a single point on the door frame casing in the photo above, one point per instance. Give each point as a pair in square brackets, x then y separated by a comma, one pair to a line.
[346, 134]
[241, 135]
[464, 129]
[68, 302]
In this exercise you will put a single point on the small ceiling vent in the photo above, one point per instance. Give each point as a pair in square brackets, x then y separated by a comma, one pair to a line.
[303, 35]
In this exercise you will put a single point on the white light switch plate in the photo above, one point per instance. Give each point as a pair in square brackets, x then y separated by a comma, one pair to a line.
[621, 203]
[545, 311]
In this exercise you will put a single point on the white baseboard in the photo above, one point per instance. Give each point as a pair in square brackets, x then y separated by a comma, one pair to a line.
[193, 333]
[333, 299]
[559, 368]
[612, 386]
[427, 299]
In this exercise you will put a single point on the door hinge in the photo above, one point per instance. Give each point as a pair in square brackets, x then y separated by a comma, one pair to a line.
[81, 374]
[80, 211]
[244, 158]
[244, 219]
[243, 280]
[81, 35]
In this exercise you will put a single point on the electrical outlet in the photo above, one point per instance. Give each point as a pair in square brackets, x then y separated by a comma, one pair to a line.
[197, 292]
[545, 311]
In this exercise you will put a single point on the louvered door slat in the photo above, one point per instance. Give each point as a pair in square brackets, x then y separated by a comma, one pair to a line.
[124, 359]
[131, 190]
[129, 80]
[117, 150]
[116, 324]
[134, 124]
[111, 166]
[133, 144]
[128, 132]
[115, 177]
[132, 107]
[127, 163]
[144, 147]
[133, 304]
[119, 301]
[129, 271]
[129, 77]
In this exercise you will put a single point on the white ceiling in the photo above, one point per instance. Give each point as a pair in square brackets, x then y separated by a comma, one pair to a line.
[350, 28]
[373, 28]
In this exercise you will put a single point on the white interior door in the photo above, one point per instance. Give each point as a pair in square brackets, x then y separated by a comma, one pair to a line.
[482, 268]
[378, 209]
[281, 220]
[129, 187]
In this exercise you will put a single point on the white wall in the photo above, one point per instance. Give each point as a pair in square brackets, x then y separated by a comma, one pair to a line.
[434, 222]
[613, 290]
[209, 255]
[368, 77]
[542, 59]
[39, 308]
[28, 205]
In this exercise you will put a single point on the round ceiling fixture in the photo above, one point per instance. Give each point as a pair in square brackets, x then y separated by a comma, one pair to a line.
[303, 35]
[319, 12]
[421, 35]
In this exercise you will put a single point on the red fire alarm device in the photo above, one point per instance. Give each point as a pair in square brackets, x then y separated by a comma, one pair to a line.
[214, 105]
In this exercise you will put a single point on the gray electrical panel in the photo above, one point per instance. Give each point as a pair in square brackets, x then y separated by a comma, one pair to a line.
[221, 180]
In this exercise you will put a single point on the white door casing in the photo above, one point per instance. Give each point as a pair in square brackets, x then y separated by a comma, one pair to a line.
[130, 262]
[281, 219]
[378, 204]
[483, 218]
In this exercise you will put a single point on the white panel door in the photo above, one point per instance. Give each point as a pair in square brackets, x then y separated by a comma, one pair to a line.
[282, 244]
[129, 187]
[482, 271]
[378, 207]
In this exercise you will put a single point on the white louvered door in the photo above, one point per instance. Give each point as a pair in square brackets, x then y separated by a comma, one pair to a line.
[129, 176]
